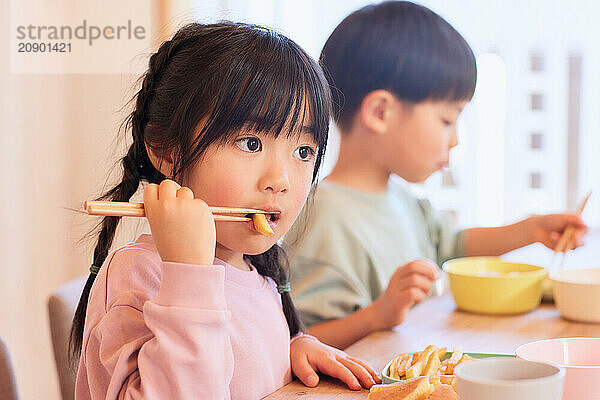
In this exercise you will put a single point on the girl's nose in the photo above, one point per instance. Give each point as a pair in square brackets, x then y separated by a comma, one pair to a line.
[275, 180]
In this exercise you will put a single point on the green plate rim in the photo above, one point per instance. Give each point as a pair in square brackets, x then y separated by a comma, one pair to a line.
[387, 379]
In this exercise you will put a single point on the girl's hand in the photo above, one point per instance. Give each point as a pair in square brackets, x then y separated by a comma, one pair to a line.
[183, 228]
[547, 229]
[309, 356]
[408, 286]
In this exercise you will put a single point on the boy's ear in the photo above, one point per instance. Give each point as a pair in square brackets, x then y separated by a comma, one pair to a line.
[375, 110]
[162, 161]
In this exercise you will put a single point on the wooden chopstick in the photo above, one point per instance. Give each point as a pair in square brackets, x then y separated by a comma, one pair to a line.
[125, 209]
[566, 239]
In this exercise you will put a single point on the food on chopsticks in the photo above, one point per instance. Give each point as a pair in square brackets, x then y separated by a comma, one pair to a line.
[261, 224]
[426, 375]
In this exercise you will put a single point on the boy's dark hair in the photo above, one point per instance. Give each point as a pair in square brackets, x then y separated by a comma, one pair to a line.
[401, 47]
[232, 76]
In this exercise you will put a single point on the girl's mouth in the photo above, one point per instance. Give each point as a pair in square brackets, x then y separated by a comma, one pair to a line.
[272, 219]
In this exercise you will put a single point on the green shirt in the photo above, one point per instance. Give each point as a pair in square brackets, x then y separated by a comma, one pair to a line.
[345, 246]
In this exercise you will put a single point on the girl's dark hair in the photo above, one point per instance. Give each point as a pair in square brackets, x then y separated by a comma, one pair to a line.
[229, 76]
[401, 47]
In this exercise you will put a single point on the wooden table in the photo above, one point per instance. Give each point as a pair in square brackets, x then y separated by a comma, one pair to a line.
[436, 321]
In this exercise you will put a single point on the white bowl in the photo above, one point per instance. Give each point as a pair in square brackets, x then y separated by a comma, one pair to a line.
[580, 357]
[509, 379]
[577, 294]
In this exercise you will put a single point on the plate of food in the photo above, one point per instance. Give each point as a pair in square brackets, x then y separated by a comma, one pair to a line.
[424, 375]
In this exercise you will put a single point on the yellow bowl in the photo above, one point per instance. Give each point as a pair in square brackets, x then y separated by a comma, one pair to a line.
[489, 285]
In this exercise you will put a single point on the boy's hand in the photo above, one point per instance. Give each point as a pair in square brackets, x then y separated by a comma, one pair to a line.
[409, 285]
[547, 229]
[309, 356]
[183, 228]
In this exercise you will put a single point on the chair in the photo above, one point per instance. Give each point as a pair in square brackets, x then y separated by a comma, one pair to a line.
[61, 308]
[8, 387]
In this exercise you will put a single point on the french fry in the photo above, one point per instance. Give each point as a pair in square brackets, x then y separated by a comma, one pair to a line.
[464, 358]
[422, 376]
[424, 356]
[453, 360]
[394, 367]
[415, 370]
[442, 352]
[432, 364]
[261, 224]
[415, 358]
[403, 365]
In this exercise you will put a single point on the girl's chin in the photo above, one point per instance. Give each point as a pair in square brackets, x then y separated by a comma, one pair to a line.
[252, 246]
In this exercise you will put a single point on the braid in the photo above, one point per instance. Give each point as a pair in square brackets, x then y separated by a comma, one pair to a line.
[136, 167]
[274, 264]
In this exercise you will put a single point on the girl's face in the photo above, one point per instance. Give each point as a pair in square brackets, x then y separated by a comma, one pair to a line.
[420, 137]
[255, 171]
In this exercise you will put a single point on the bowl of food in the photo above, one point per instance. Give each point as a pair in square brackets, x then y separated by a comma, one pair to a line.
[580, 357]
[489, 285]
[577, 294]
[427, 374]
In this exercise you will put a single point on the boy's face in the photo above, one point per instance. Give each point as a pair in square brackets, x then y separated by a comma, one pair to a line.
[419, 137]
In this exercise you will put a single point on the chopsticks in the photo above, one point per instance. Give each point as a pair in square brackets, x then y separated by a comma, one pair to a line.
[124, 209]
[565, 243]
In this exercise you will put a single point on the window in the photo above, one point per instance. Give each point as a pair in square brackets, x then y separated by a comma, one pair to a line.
[537, 102]
[536, 62]
[535, 181]
[536, 141]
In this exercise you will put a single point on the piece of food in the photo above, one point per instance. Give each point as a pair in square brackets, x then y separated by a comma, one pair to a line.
[447, 366]
[415, 370]
[443, 392]
[432, 364]
[442, 352]
[424, 356]
[261, 224]
[399, 366]
[411, 389]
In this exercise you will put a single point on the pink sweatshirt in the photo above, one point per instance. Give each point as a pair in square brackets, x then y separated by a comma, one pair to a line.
[162, 330]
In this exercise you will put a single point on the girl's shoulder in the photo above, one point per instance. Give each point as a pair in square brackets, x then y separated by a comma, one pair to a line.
[132, 273]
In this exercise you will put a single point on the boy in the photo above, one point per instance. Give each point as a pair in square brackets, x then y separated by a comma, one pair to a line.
[400, 77]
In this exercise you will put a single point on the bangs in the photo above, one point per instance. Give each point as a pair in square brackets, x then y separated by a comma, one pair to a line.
[272, 88]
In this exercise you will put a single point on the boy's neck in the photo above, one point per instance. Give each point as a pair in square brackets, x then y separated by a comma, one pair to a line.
[357, 166]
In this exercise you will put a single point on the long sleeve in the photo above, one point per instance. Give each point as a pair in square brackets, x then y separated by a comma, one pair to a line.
[177, 347]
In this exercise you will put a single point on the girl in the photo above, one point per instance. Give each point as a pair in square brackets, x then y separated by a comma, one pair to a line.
[237, 115]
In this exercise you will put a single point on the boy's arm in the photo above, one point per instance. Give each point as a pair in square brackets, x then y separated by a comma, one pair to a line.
[343, 332]
[408, 286]
[546, 229]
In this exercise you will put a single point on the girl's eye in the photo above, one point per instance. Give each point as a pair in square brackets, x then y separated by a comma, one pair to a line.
[304, 153]
[446, 122]
[249, 144]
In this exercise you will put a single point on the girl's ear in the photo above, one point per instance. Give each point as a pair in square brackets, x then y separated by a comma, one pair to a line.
[375, 110]
[162, 161]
